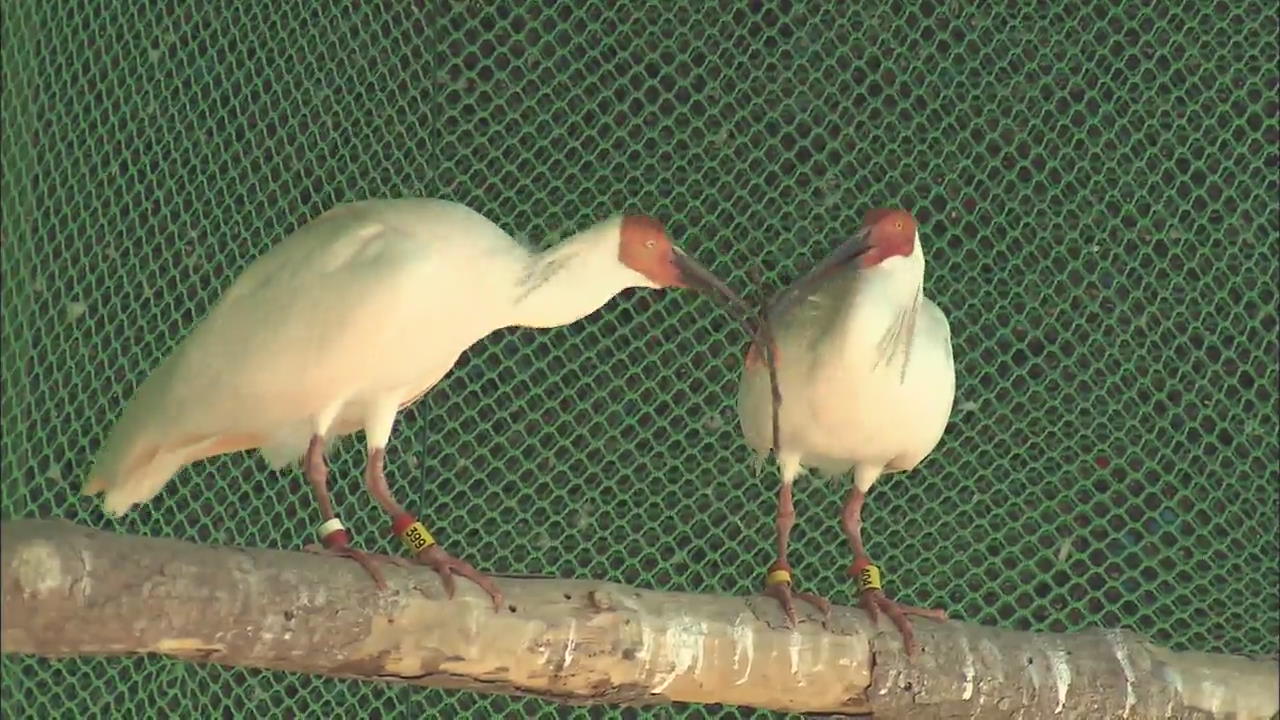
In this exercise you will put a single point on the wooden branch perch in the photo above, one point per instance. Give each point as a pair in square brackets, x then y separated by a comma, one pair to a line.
[69, 590]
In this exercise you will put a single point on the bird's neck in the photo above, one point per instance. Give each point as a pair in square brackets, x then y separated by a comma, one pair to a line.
[573, 279]
[880, 319]
[895, 281]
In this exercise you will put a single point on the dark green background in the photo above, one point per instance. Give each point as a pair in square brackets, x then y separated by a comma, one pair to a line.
[1097, 193]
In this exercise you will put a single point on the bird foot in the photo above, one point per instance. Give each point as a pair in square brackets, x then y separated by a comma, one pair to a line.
[777, 585]
[369, 561]
[874, 601]
[447, 566]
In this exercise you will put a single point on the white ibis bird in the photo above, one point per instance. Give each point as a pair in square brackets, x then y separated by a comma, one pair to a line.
[865, 368]
[350, 319]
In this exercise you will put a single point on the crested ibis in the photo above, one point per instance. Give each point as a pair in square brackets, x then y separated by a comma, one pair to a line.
[348, 320]
[864, 362]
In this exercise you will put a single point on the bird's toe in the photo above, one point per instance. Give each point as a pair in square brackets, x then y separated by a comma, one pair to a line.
[366, 560]
[447, 566]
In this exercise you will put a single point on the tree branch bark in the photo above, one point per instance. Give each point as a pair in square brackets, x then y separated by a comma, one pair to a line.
[70, 590]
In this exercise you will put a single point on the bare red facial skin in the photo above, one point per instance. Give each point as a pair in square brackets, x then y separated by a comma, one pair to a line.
[892, 232]
[646, 248]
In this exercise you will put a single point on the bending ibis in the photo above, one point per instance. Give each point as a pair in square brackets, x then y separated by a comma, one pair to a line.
[865, 367]
[352, 318]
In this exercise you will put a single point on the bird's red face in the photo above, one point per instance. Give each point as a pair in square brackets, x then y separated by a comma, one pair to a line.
[889, 233]
[646, 248]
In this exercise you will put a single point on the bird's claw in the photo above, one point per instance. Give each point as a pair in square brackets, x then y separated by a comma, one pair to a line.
[367, 560]
[446, 566]
[874, 601]
[786, 597]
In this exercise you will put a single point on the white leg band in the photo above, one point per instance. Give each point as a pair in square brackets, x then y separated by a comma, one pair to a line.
[329, 527]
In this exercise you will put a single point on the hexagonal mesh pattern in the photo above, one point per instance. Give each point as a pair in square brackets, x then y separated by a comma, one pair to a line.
[1097, 194]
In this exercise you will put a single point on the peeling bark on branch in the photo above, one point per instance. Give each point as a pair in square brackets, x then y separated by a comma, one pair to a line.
[69, 590]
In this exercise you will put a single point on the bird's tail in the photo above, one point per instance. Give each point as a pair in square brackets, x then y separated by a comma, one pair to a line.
[133, 476]
[146, 448]
[132, 469]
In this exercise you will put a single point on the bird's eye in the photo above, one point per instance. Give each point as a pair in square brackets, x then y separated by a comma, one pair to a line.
[897, 225]
[650, 243]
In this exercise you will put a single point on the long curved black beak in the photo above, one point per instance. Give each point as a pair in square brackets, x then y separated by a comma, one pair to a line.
[696, 277]
[845, 253]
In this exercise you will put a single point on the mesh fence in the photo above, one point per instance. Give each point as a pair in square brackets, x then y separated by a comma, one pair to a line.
[1097, 193]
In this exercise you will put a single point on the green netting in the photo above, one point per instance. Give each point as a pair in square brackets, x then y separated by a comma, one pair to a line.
[1096, 187]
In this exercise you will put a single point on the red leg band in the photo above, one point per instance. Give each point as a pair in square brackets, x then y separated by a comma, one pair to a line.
[859, 563]
[336, 539]
[400, 523]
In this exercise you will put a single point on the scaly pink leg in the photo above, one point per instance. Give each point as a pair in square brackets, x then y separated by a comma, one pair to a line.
[778, 580]
[873, 598]
[415, 535]
[335, 540]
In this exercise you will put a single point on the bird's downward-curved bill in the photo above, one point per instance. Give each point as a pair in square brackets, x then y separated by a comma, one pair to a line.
[847, 252]
[695, 276]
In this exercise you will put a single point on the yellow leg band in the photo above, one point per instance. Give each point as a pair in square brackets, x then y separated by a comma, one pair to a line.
[777, 577]
[416, 538]
[869, 578]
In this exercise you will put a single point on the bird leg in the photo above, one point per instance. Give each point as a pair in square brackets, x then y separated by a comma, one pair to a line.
[334, 538]
[416, 538]
[872, 596]
[777, 582]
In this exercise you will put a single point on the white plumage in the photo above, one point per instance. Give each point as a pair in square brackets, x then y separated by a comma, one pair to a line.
[352, 317]
[865, 368]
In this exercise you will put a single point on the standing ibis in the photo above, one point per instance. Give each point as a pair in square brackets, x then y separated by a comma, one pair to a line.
[352, 318]
[865, 369]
